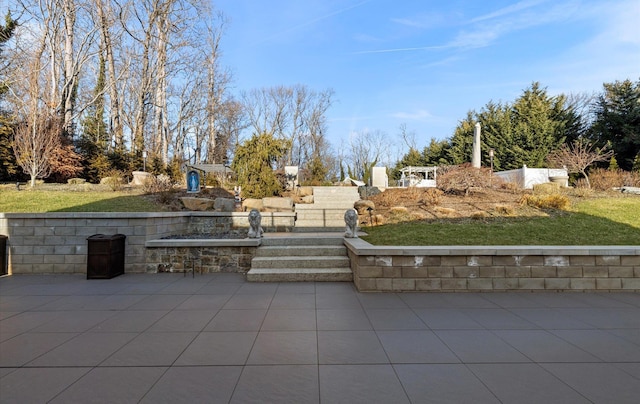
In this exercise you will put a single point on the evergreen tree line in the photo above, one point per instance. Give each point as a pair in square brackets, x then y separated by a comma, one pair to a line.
[527, 130]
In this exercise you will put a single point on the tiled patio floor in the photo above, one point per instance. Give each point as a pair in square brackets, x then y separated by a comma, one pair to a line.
[218, 339]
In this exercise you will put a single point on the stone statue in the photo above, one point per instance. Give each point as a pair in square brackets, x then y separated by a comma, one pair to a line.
[351, 219]
[255, 230]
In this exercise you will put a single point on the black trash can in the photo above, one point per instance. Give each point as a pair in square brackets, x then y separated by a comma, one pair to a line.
[105, 258]
[3, 255]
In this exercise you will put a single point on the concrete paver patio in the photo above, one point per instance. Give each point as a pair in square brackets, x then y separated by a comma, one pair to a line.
[218, 339]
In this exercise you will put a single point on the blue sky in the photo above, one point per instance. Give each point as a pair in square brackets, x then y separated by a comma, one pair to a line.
[426, 63]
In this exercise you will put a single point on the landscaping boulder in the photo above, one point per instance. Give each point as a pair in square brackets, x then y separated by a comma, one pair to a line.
[307, 199]
[192, 203]
[275, 204]
[305, 191]
[224, 205]
[251, 203]
[362, 206]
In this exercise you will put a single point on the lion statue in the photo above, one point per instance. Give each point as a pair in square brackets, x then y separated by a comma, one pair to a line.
[255, 230]
[351, 219]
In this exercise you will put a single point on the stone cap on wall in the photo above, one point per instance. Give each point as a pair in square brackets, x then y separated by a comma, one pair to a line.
[361, 247]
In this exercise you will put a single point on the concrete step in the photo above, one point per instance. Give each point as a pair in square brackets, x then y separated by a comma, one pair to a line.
[328, 205]
[303, 239]
[299, 262]
[301, 251]
[300, 275]
[331, 224]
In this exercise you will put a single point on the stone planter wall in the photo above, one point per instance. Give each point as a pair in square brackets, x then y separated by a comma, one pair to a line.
[490, 268]
[200, 255]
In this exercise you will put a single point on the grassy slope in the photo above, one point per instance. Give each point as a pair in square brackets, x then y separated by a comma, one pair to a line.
[607, 221]
[72, 201]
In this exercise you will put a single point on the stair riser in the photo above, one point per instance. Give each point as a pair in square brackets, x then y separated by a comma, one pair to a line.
[300, 251]
[268, 262]
[298, 277]
[302, 241]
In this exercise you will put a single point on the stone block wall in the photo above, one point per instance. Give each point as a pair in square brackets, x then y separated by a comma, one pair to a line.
[57, 242]
[486, 269]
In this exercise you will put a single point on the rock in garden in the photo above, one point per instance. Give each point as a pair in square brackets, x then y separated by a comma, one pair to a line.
[193, 203]
[363, 206]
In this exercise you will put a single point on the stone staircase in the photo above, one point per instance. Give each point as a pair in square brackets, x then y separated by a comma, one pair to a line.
[327, 210]
[301, 258]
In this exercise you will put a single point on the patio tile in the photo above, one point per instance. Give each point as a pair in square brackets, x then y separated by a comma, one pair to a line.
[284, 348]
[429, 383]
[632, 369]
[264, 288]
[342, 319]
[542, 346]
[183, 320]
[218, 348]
[415, 347]
[510, 300]
[608, 317]
[88, 349]
[296, 288]
[447, 319]
[111, 385]
[395, 319]
[350, 347]
[478, 346]
[151, 349]
[599, 382]
[468, 301]
[22, 349]
[130, 321]
[204, 302]
[525, 383]
[360, 384]
[23, 303]
[423, 300]
[498, 319]
[75, 321]
[293, 301]
[277, 384]
[18, 387]
[159, 302]
[249, 301]
[195, 384]
[289, 320]
[602, 344]
[237, 320]
[335, 288]
[551, 318]
[381, 301]
[338, 301]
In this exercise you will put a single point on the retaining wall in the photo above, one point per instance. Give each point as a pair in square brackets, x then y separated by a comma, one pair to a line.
[57, 242]
[491, 268]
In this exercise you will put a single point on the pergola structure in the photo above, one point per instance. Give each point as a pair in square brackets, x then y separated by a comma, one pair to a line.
[418, 177]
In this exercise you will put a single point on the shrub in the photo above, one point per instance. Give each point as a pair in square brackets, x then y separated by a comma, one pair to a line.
[547, 188]
[504, 210]
[157, 184]
[480, 214]
[76, 181]
[602, 180]
[114, 179]
[555, 201]
[460, 180]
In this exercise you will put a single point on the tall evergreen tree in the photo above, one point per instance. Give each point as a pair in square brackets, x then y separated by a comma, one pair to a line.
[617, 121]
[254, 165]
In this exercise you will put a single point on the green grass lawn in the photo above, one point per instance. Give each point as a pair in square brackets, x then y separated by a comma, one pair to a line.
[36, 201]
[605, 221]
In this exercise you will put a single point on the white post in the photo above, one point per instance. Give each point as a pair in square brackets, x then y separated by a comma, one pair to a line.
[475, 157]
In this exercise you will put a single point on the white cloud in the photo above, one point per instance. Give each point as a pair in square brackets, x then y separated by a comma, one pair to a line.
[418, 115]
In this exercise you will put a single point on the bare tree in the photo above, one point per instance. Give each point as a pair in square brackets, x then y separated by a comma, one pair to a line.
[366, 150]
[577, 156]
[35, 143]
